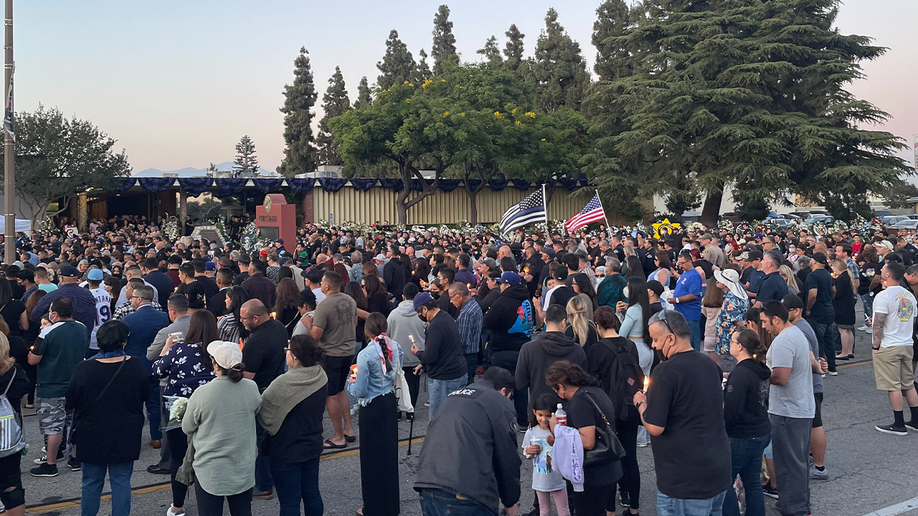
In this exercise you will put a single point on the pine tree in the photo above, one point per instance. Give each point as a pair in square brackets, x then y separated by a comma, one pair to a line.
[613, 59]
[335, 102]
[423, 71]
[246, 162]
[559, 69]
[491, 54]
[397, 65]
[364, 95]
[444, 42]
[299, 155]
[514, 48]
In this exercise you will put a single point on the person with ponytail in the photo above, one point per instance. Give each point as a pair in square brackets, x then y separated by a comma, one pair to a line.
[373, 385]
[746, 419]
[291, 412]
[219, 421]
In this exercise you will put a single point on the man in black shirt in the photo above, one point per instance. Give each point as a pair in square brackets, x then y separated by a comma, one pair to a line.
[264, 358]
[685, 399]
[442, 355]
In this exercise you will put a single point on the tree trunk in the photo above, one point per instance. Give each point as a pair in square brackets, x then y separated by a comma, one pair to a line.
[400, 205]
[473, 206]
[711, 210]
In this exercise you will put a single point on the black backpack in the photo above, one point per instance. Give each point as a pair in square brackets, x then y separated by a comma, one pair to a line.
[625, 376]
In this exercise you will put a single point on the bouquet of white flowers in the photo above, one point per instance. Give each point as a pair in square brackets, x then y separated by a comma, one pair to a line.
[176, 406]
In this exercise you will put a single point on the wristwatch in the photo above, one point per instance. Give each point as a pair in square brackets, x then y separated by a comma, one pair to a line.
[675, 300]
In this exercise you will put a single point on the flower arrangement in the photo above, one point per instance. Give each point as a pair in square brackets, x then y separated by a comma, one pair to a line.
[171, 229]
[177, 407]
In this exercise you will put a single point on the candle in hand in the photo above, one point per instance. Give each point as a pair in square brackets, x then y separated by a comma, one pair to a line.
[646, 383]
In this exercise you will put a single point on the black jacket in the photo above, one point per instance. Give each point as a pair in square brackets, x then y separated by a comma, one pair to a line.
[471, 448]
[536, 356]
[502, 319]
[746, 400]
[394, 277]
[442, 355]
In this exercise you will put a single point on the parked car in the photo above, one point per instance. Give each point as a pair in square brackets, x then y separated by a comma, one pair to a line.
[905, 224]
[882, 213]
[894, 219]
[825, 219]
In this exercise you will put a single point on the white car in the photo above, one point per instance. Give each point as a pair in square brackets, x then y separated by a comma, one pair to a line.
[905, 224]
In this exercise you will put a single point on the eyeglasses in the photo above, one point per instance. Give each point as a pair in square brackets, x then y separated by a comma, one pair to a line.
[600, 275]
[286, 349]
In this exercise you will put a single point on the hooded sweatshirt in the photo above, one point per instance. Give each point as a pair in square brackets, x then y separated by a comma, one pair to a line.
[404, 321]
[746, 400]
[510, 320]
[537, 355]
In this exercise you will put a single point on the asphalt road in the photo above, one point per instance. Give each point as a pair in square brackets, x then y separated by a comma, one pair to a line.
[868, 470]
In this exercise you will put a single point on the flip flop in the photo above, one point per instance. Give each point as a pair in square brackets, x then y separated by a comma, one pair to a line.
[350, 438]
[329, 445]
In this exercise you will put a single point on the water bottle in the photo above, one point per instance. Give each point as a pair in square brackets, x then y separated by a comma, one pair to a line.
[561, 416]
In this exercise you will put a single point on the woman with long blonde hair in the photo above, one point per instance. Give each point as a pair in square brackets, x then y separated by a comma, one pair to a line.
[579, 326]
[788, 274]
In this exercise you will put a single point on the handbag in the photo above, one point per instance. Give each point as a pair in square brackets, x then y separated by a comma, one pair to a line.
[607, 447]
[402, 395]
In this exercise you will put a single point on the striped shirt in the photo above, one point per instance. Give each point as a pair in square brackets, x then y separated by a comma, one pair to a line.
[469, 322]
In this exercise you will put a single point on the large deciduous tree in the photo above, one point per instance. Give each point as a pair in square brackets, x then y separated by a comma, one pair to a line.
[299, 99]
[334, 103]
[57, 158]
[397, 65]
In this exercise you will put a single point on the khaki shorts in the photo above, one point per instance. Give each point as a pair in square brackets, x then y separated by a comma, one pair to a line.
[893, 369]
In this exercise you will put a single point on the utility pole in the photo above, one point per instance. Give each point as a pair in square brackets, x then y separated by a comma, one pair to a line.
[9, 150]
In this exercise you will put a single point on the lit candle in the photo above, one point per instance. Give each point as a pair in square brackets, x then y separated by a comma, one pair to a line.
[411, 338]
[468, 285]
[241, 344]
[646, 382]
[274, 315]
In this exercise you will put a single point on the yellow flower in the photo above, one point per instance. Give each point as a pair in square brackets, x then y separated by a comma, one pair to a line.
[462, 114]
[513, 111]
[406, 82]
[530, 114]
[543, 139]
[497, 114]
[411, 84]
[442, 80]
[446, 113]
[408, 101]
[517, 122]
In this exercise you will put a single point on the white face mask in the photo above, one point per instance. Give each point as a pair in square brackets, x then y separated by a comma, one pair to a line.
[626, 292]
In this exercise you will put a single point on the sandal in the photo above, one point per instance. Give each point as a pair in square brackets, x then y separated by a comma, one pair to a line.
[350, 438]
[329, 445]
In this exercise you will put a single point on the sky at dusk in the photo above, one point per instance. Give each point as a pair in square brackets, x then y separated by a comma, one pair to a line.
[178, 82]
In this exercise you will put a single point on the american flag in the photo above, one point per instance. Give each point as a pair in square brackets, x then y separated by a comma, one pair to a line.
[592, 212]
[528, 211]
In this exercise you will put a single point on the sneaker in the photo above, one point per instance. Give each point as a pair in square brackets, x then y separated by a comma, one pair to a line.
[833, 373]
[74, 464]
[624, 499]
[863, 328]
[170, 513]
[769, 491]
[870, 331]
[912, 425]
[264, 495]
[44, 458]
[44, 470]
[815, 474]
[891, 429]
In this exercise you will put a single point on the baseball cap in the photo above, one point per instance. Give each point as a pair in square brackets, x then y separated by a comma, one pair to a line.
[280, 241]
[283, 261]
[885, 243]
[509, 277]
[821, 258]
[210, 266]
[422, 299]
[94, 275]
[69, 272]
[490, 263]
[226, 354]
[561, 273]
[655, 286]
[381, 257]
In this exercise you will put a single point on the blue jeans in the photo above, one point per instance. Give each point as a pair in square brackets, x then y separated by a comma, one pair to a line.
[154, 413]
[867, 299]
[297, 482]
[438, 389]
[263, 480]
[667, 506]
[119, 476]
[747, 463]
[695, 334]
[471, 360]
[440, 503]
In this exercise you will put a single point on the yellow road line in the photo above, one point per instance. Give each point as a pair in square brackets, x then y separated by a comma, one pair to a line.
[40, 509]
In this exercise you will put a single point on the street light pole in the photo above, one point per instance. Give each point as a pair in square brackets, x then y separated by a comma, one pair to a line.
[9, 150]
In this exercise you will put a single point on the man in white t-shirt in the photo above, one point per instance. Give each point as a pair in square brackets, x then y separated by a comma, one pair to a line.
[893, 324]
[103, 304]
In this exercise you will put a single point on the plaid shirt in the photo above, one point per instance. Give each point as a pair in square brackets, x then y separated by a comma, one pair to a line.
[853, 269]
[469, 322]
[126, 309]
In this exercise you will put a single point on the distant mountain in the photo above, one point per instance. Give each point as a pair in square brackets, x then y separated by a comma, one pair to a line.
[198, 172]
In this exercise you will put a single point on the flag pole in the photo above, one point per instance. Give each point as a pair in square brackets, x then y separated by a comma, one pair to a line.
[608, 226]
[545, 200]
[9, 146]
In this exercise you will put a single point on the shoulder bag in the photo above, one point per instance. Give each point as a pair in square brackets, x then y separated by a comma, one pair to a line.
[607, 447]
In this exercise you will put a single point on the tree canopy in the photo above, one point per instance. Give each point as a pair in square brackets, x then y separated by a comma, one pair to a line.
[335, 102]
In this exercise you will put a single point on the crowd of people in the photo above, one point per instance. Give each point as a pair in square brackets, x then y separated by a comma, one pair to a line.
[587, 346]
